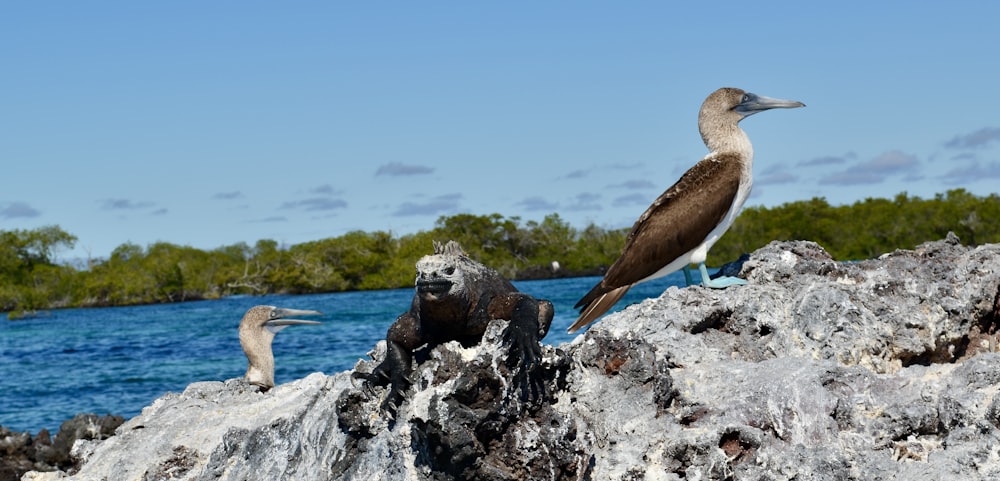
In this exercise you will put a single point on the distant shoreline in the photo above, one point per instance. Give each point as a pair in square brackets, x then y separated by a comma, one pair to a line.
[31, 282]
[535, 273]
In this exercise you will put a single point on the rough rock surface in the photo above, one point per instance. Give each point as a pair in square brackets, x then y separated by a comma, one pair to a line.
[20, 452]
[882, 369]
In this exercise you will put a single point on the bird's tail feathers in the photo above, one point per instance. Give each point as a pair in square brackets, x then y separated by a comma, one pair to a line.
[598, 306]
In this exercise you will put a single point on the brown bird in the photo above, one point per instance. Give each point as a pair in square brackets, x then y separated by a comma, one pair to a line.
[257, 330]
[686, 220]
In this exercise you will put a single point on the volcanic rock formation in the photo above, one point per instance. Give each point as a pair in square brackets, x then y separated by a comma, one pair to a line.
[817, 369]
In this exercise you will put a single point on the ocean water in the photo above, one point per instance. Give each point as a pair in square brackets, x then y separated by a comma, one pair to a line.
[117, 360]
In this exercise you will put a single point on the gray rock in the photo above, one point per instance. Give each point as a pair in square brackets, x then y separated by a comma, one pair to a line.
[817, 369]
[20, 452]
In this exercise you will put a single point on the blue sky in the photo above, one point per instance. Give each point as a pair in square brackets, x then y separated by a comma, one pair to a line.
[212, 123]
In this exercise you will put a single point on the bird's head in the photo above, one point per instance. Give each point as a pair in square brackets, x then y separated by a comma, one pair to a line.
[726, 107]
[271, 320]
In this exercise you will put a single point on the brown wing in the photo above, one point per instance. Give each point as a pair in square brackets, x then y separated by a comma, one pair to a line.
[665, 231]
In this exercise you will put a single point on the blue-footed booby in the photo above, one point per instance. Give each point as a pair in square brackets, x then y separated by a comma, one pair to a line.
[257, 330]
[686, 220]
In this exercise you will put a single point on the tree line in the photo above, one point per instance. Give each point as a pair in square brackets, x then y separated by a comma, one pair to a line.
[32, 279]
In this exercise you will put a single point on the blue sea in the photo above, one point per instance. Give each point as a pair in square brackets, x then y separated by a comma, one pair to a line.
[117, 360]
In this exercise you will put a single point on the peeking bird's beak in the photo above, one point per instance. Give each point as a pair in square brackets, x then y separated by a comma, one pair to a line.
[281, 318]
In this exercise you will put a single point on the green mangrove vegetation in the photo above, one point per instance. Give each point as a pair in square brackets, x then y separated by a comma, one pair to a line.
[32, 278]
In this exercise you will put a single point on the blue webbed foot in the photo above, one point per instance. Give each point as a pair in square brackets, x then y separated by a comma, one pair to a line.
[717, 283]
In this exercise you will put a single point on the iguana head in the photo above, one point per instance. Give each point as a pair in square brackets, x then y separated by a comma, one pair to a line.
[444, 274]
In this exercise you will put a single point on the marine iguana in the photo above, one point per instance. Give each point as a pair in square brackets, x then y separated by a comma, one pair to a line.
[456, 298]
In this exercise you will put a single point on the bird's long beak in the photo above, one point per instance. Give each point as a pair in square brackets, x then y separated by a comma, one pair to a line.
[753, 103]
[281, 317]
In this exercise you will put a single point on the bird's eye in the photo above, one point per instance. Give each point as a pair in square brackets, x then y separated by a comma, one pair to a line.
[746, 98]
[449, 271]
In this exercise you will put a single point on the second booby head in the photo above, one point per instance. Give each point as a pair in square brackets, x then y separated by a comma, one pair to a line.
[257, 330]
[686, 220]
